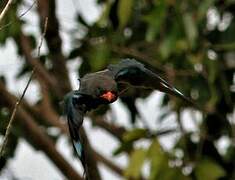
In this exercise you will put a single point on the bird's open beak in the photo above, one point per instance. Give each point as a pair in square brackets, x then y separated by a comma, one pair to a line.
[109, 96]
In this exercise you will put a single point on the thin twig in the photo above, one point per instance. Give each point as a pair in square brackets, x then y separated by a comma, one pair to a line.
[37, 136]
[9, 126]
[42, 36]
[6, 8]
[20, 16]
[27, 10]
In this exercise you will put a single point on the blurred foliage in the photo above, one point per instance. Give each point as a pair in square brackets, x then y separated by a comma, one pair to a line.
[12, 143]
[190, 43]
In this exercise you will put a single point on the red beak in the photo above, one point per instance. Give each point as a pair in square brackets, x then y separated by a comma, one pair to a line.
[109, 96]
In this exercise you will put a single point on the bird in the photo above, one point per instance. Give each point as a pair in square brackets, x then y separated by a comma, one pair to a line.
[104, 87]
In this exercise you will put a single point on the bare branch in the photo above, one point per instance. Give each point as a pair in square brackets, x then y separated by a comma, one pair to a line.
[8, 129]
[21, 15]
[109, 164]
[54, 43]
[51, 117]
[39, 138]
[48, 113]
[43, 35]
[39, 69]
[5, 10]
[116, 131]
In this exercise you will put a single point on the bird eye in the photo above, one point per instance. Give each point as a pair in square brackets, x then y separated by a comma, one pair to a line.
[99, 91]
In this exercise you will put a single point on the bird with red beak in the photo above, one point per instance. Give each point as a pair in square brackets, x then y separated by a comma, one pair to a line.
[109, 96]
[104, 87]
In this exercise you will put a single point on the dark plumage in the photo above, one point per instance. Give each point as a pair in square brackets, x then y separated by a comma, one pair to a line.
[104, 87]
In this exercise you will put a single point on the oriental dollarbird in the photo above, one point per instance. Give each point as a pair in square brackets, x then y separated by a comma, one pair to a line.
[104, 87]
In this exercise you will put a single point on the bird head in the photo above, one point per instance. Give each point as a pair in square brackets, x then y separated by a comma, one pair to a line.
[100, 86]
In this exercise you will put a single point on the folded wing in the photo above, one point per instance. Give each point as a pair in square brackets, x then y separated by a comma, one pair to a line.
[75, 114]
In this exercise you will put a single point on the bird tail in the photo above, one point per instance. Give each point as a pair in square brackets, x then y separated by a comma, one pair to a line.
[78, 147]
[164, 86]
[173, 91]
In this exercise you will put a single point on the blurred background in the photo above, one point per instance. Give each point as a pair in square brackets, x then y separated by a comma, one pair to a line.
[145, 134]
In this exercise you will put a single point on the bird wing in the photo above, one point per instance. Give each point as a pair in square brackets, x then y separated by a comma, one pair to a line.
[132, 72]
[75, 112]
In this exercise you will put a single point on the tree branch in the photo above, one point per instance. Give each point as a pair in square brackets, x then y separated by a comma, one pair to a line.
[5, 10]
[39, 69]
[115, 130]
[109, 164]
[54, 43]
[20, 16]
[46, 110]
[91, 161]
[33, 132]
[53, 119]
[16, 106]
[21, 98]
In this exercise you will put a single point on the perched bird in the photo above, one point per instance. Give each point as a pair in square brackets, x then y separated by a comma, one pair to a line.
[104, 87]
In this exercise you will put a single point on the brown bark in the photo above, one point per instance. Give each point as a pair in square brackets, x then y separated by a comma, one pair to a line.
[39, 138]
[34, 62]
[48, 112]
[51, 117]
[91, 161]
[109, 164]
[116, 131]
[54, 43]
[90, 153]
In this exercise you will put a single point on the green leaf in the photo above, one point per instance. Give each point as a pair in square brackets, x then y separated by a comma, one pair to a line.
[159, 165]
[135, 164]
[134, 135]
[190, 29]
[124, 12]
[155, 149]
[172, 173]
[3, 36]
[213, 73]
[203, 8]
[129, 138]
[104, 18]
[168, 45]
[125, 146]
[158, 160]
[181, 45]
[99, 56]
[155, 19]
[209, 170]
